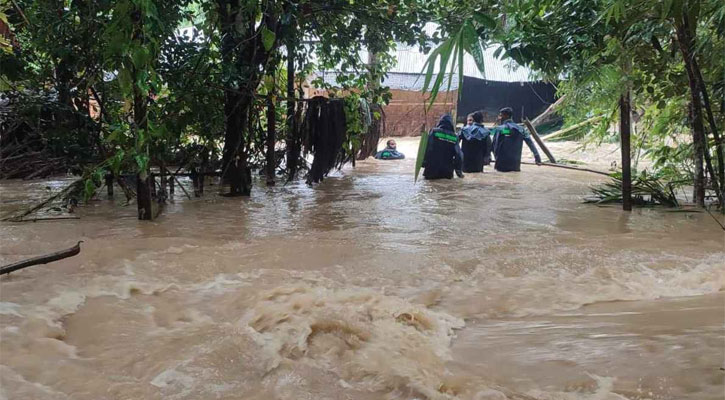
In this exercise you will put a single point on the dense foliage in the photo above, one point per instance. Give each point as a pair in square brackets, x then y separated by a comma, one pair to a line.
[666, 55]
[130, 86]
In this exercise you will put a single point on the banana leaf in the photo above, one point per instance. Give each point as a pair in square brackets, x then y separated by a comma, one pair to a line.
[422, 145]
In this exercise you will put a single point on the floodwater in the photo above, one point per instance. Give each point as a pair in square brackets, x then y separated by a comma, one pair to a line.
[368, 286]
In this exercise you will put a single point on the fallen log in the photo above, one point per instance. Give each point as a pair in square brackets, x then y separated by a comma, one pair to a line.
[569, 167]
[58, 255]
[573, 127]
[48, 218]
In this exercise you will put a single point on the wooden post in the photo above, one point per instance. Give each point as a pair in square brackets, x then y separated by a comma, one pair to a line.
[194, 175]
[143, 197]
[203, 169]
[201, 182]
[162, 192]
[540, 142]
[624, 133]
[109, 185]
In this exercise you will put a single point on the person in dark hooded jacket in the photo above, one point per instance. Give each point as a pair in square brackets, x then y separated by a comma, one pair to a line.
[475, 144]
[508, 143]
[443, 155]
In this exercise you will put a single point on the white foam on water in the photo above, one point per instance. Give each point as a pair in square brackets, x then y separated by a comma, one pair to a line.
[541, 293]
[604, 391]
[370, 341]
[173, 378]
[21, 388]
[8, 308]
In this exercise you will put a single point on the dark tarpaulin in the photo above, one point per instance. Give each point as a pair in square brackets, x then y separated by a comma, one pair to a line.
[490, 96]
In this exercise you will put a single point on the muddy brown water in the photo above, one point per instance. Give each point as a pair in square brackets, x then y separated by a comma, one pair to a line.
[368, 286]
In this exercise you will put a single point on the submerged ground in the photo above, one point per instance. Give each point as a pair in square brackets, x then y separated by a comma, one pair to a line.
[369, 286]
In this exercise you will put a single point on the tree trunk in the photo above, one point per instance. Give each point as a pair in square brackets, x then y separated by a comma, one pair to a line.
[369, 144]
[685, 39]
[245, 56]
[143, 196]
[292, 141]
[720, 180]
[625, 134]
[271, 138]
[144, 189]
[695, 117]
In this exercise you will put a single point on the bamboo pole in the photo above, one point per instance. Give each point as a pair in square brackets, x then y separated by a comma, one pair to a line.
[550, 110]
[573, 127]
[540, 142]
[569, 167]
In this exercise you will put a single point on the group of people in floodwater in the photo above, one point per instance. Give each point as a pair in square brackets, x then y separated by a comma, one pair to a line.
[471, 148]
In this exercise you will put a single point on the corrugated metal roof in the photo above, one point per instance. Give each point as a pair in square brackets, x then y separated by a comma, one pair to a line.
[412, 60]
[406, 74]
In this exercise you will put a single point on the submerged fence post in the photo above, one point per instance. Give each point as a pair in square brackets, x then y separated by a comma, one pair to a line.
[109, 185]
[143, 197]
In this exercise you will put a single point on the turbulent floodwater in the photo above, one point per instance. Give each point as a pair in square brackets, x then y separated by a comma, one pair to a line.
[368, 287]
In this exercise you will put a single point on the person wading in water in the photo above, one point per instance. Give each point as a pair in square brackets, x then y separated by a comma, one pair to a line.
[507, 143]
[390, 152]
[475, 144]
[443, 155]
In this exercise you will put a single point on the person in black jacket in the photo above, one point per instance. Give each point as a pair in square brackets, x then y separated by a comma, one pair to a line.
[507, 143]
[390, 152]
[443, 155]
[475, 144]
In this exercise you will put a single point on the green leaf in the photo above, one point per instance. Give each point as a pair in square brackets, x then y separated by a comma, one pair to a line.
[474, 48]
[429, 66]
[460, 70]
[116, 160]
[268, 38]
[484, 20]
[498, 51]
[140, 57]
[89, 188]
[142, 160]
[124, 81]
[666, 7]
[3, 83]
